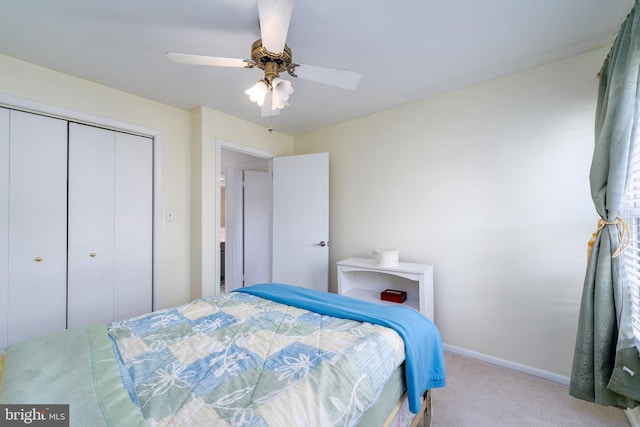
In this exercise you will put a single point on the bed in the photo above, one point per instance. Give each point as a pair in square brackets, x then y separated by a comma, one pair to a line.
[264, 355]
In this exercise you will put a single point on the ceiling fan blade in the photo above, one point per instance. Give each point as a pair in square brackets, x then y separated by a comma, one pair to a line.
[182, 58]
[329, 76]
[266, 111]
[275, 16]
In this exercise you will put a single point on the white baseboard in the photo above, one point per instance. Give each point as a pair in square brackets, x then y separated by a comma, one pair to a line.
[508, 364]
[634, 416]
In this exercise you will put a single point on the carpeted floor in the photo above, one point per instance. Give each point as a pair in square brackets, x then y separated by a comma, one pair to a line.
[479, 394]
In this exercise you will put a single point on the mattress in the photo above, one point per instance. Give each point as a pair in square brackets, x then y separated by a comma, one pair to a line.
[389, 401]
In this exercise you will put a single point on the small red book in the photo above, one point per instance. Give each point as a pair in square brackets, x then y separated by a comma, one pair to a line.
[393, 295]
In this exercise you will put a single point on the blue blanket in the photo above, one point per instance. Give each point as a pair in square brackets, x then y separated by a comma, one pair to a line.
[424, 357]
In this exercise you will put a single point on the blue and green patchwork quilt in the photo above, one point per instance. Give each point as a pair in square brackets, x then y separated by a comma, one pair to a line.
[242, 360]
[268, 355]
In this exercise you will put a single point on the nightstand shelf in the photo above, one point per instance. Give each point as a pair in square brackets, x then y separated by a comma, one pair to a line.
[359, 278]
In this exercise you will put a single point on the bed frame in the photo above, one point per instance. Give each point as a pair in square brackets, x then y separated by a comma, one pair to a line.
[422, 418]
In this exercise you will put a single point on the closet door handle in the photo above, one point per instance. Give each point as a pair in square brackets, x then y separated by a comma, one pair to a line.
[38, 259]
[92, 254]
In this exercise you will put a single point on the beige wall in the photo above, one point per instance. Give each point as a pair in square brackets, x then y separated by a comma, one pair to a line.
[490, 185]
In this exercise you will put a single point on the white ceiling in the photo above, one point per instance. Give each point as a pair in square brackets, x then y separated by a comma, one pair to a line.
[406, 50]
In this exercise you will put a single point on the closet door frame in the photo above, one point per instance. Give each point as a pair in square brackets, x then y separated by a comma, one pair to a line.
[26, 105]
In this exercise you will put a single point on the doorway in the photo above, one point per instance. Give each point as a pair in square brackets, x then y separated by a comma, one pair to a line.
[234, 161]
[297, 212]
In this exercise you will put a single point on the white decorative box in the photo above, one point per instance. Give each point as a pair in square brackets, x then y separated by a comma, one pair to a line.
[383, 257]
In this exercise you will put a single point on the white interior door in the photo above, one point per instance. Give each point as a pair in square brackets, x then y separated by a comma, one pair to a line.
[257, 227]
[300, 252]
[233, 251]
[37, 226]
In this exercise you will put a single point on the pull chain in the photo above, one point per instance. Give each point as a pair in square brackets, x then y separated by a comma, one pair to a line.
[270, 108]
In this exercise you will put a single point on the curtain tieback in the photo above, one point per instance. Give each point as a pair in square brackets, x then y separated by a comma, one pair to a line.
[625, 235]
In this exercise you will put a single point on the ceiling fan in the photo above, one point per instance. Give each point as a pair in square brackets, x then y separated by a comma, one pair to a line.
[273, 56]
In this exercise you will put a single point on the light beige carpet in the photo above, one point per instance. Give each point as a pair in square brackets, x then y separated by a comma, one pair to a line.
[479, 394]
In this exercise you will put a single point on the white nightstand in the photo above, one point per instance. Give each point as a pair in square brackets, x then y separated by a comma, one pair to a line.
[359, 278]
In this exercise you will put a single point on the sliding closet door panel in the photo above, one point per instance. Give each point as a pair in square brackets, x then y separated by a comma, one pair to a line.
[91, 222]
[37, 226]
[133, 225]
[4, 225]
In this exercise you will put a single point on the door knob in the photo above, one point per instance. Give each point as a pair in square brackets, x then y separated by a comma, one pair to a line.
[323, 243]
[38, 259]
[92, 254]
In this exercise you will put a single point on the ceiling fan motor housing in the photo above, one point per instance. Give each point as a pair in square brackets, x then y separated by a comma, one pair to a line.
[272, 63]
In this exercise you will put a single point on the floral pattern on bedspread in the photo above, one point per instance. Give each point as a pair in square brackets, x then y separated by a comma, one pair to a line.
[241, 360]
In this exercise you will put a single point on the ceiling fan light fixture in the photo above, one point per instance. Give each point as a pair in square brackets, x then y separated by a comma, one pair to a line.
[280, 91]
[258, 92]
[278, 88]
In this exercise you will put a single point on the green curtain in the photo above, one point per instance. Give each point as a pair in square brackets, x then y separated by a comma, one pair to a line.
[606, 364]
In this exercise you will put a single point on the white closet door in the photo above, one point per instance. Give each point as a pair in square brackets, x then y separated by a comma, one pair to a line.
[110, 225]
[91, 225]
[37, 226]
[133, 225]
[4, 225]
